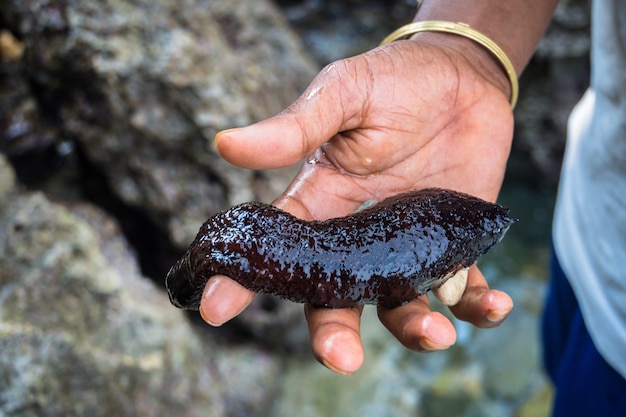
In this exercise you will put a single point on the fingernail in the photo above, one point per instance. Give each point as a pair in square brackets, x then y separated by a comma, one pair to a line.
[430, 344]
[335, 369]
[224, 132]
[206, 316]
[496, 316]
[207, 319]
[437, 332]
[208, 300]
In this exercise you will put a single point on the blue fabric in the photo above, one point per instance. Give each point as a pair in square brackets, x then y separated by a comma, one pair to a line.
[585, 384]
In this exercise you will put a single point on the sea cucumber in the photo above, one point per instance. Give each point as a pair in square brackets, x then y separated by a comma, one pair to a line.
[385, 254]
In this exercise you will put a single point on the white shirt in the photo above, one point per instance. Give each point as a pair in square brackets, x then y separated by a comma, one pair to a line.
[590, 218]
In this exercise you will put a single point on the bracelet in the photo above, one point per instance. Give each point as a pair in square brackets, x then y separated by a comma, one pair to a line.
[461, 29]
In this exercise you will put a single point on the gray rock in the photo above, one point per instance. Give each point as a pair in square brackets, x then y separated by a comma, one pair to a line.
[83, 333]
[251, 378]
[513, 349]
[143, 87]
[552, 83]
[7, 177]
[140, 88]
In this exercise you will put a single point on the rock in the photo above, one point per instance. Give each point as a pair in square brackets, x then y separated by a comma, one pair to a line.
[540, 404]
[22, 132]
[276, 324]
[11, 49]
[143, 86]
[550, 86]
[333, 30]
[513, 358]
[251, 378]
[83, 333]
[7, 177]
[455, 391]
[138, 90]
[134, 91]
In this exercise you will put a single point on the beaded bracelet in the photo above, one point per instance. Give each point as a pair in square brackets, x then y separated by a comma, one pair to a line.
[461, 29]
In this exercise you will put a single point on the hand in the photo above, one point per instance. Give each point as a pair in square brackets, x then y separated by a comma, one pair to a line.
[410, 115]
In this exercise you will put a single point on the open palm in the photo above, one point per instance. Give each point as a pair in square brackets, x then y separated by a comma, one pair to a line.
[405, 116]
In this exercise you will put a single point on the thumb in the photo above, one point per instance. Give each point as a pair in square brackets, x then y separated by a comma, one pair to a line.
[293, 134]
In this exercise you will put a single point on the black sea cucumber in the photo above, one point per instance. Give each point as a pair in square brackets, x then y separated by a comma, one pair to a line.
[385, 254]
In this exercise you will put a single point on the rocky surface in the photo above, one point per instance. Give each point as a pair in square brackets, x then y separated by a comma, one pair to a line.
[82, 332]
[117, 102]
[141, 88]
[553, 82]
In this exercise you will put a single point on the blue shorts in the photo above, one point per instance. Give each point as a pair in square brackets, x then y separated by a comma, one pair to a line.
[585, 384]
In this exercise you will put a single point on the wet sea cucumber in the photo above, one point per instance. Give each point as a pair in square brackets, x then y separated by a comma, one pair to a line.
[385, 254]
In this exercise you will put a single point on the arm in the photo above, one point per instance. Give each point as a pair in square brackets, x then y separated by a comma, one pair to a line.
[431, 111]
[517, 27]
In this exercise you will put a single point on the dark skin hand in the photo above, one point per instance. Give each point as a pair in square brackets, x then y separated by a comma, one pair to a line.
[426, 112]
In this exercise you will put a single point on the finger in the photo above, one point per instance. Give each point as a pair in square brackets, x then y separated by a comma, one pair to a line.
[223, 299]
[296, 132]
[334, 333]
[418, 328]
[336, 337]
[480, 305]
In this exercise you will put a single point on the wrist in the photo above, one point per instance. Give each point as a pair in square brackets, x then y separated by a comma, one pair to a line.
[516, 26]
